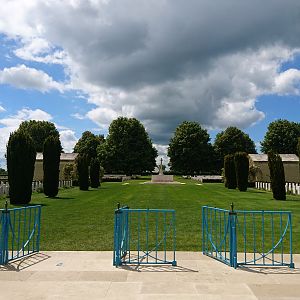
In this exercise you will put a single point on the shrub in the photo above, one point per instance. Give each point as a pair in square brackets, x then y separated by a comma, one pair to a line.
[95, 173]
[83, 171]
[277, 176]
[51, 160]
[229, 171]
[241, 163]
[20, 158]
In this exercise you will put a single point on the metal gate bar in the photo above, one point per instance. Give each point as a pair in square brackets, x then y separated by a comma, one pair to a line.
[240, 237]
[144, 236]
[20, 232]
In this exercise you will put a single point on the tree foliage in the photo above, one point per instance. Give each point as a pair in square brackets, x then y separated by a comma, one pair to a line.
[229, 171]
[20, 158]
[88, 144]
[241, 162]
[189, 149]
[233, 140]
[51, 161]
[68, 171]
[127, 148]
[281, 137]
[82, 164]
[95, 173]
[39, 131]
[277, 176]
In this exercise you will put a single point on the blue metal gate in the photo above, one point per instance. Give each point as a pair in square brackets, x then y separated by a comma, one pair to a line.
[260, 238]
[144, 236]
[19, 232]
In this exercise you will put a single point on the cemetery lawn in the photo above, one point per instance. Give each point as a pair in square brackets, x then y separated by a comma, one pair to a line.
[84, 220]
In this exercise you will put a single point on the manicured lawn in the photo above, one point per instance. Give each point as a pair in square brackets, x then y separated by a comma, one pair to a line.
[79, 220]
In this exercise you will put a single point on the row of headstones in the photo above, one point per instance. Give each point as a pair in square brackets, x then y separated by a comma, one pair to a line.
[290, 187]
[4, 187]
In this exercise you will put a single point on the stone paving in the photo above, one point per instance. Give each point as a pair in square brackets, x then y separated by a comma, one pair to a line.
[90, 275]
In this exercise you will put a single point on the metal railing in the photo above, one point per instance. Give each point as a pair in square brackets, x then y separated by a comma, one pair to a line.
[19, 232]
[144, 236]
[240, 237]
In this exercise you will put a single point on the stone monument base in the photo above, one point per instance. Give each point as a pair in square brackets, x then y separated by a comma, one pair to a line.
[162, 178]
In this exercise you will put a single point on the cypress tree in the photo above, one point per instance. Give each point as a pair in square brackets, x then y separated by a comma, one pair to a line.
[277, 176]
[229, 171]
[83, 171]
[241, 163]
[95, 173]
[51, 159]
[20, 158]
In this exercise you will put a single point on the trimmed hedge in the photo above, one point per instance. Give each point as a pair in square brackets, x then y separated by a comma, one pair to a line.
[51, 160]
[277, 176]
[82, 162]
[241, 162]
[95, 173]
[20, 156]
[229, 171]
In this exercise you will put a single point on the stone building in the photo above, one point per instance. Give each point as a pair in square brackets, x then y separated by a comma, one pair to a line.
[65, 158]
[259, 163]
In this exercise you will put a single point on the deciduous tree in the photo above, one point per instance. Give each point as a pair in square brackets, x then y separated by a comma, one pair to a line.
[39, 131]
[127, 148]
[281, 137]
[88, 144]
[233, 140]
[189, 149]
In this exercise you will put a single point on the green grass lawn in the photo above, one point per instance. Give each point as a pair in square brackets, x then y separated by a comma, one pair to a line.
[84, 220]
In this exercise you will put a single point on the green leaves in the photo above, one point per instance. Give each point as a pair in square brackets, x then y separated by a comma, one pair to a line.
[39, 131]
[189, 149]
[276, 175]
[233, 140]
[51, 160]
[88, 144]
[128, 148]
[281, 137]
[20, 158]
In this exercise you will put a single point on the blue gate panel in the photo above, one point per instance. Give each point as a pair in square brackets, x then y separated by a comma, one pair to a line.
[19, 232]
[260, 238]
[144, 236]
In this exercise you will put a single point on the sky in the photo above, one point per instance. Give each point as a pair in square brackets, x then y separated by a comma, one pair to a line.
[82, 63]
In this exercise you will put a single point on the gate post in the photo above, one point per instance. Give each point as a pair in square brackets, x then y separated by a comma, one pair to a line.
[233, 239]
[117, 250]
[4, 236]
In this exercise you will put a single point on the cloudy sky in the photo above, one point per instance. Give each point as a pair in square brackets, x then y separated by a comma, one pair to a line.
[83, 63]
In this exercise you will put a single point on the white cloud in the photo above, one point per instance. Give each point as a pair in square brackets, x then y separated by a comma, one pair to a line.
[11, 123]
[68, 140]
[29, 78]
[102, 116]
[39, 50]
[2, 109]
[78, 116]
[288, 82]
[160, 61]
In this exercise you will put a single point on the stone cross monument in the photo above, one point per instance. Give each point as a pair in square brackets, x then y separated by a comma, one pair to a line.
[161, 178]
[161, 171]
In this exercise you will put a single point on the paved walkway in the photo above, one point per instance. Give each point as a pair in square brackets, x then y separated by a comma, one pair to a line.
[90, 275]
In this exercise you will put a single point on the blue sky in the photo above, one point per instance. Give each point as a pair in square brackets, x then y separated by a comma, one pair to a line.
[81, 64]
